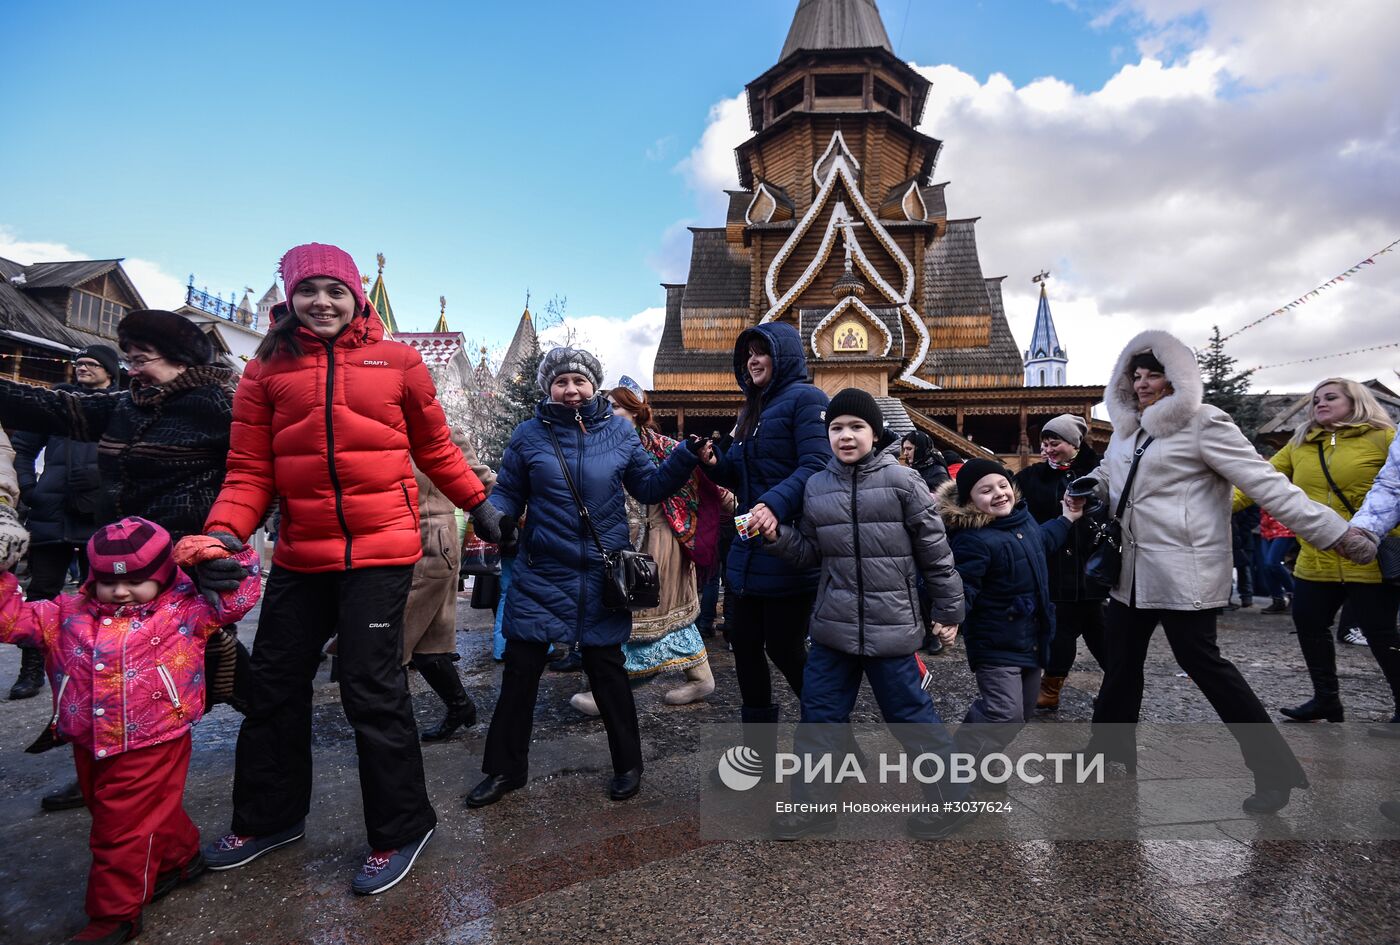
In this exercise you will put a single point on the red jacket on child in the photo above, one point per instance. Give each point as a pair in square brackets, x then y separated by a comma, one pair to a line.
[125, 677]
[329, 435]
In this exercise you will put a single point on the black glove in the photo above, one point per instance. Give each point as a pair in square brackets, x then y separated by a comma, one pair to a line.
[510, 539]
[486, 521]
[221, 574]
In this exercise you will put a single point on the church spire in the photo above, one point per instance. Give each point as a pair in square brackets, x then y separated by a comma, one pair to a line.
[836, 24]
[1045, 359]
[441, 326]
[379, 298]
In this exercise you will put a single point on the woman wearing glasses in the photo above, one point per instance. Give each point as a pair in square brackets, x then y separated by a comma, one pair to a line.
[160, 445]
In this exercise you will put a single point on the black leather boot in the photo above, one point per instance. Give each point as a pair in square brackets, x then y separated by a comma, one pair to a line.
[1316, 709]
[439, 671]
[31, 673]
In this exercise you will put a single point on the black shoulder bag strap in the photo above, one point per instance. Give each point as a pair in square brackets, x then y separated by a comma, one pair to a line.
[569, 480]
[1321, 458]
[1132, 474]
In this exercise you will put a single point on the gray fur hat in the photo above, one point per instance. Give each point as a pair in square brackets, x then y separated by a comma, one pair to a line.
[568, 361]
[1068, 427]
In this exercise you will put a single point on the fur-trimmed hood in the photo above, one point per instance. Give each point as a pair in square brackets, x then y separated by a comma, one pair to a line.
[1171, 413]
[957, 517]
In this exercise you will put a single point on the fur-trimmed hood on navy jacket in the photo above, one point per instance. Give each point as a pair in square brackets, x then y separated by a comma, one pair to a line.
[1010, 618]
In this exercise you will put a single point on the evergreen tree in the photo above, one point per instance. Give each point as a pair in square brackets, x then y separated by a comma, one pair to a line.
[1227, 388]
[519, 394]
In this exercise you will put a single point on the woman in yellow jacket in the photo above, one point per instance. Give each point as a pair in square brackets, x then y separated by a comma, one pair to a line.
[1346, 438]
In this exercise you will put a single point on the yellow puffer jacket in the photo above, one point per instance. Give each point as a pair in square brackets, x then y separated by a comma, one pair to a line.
[1354, 455]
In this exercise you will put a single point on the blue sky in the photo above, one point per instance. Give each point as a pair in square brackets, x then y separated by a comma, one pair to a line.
[1175, 163]
[482, 147]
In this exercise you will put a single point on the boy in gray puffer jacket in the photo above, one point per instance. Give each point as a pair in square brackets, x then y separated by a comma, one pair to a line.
[871, 525]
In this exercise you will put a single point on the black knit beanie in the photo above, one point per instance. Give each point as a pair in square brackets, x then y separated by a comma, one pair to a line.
[854, 402]
[972, 472]
[105, 355]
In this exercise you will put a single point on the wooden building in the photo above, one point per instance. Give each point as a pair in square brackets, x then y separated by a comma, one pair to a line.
[49, 310]
[840, 230]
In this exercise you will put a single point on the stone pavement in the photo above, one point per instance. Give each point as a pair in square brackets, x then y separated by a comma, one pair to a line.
[558, 862]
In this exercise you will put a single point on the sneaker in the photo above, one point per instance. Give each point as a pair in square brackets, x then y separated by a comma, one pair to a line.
[383, 869]
[796, 826]
[931, 826]
[107, 932]
[1355, 637]
[233, 850]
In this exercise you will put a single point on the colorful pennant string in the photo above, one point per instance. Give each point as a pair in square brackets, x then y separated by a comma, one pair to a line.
[1307, 297]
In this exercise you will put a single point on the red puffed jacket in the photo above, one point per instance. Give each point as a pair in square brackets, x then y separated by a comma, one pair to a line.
[125, 677]
[329, 435]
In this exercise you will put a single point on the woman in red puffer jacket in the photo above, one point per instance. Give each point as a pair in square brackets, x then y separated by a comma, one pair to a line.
[328, 422]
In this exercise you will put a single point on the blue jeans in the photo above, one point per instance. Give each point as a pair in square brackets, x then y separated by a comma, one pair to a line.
[830, 685]
[1277, 580]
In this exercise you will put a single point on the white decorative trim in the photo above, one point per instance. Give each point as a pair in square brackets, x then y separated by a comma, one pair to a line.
[761, 191]
[845, 152]
[919, 198]
[850, 302]
[842, 170]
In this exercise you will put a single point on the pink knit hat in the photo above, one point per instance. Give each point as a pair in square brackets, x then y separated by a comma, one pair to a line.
[133, 549]
[321, 259]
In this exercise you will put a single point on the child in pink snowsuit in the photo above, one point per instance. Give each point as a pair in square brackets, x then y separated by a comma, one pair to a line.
[125, 658]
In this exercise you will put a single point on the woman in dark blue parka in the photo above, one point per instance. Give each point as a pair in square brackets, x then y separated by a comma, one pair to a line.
[779, 443]
[556, 591]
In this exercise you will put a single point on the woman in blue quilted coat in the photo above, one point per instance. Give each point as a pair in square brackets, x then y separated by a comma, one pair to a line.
[779, 443]
[556, 591]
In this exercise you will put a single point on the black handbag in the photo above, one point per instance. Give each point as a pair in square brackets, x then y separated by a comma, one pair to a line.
[631, 580]
[1105, 563]
[1388, 552]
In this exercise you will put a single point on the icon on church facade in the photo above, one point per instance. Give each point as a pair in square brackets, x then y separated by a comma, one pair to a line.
[851, 336]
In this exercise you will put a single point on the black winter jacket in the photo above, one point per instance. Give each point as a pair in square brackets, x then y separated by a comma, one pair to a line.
[64, 499]
[160, 450]
[1043, 488]
[873, 529]
[1010, 618]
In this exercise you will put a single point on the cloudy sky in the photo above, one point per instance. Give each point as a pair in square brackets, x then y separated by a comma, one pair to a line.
[1174, 163]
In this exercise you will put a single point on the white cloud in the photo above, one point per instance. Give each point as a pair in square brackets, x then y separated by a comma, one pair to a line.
[623, 345]
[157, 287]
[1251, 152]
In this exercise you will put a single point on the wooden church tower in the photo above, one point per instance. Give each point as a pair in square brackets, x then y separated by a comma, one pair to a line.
[839, 229]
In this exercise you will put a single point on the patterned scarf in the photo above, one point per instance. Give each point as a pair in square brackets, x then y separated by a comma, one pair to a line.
[693, 512]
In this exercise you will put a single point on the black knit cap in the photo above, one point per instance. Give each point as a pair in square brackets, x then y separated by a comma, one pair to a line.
[176, 338]
[854, 402]
[105, 355]
[972, 472]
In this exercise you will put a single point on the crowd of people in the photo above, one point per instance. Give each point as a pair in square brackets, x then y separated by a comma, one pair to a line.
[843, 552]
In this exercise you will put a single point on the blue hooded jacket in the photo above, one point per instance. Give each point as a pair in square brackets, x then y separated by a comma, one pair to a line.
[556, 591]
[773, 464]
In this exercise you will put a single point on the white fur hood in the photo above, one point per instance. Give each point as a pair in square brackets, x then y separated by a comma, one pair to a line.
[1173, 412]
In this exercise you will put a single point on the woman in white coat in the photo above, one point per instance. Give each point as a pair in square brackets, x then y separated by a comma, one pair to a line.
[1377, 516]
[1176, 550]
